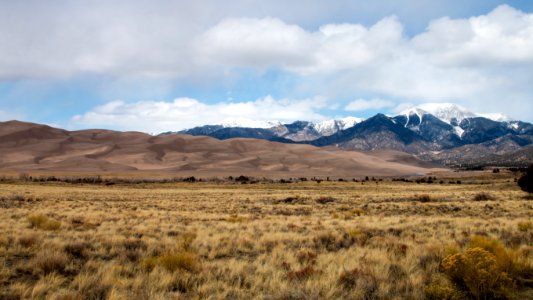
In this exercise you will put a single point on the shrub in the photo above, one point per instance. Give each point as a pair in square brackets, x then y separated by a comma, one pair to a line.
[77, 249]
[519, 269]
[423, 198]
[324, 200]
[483, 196]
[149, 263]
[292, 200]
[476, 271]
[526, 181]
[43, 222]
[442, 290]
[181, 260]
[358, 211]
[525, 226]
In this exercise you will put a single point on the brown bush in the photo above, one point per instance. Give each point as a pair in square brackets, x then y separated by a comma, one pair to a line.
[77, 249]
[483, 197]
[423, 198]
[325, 200]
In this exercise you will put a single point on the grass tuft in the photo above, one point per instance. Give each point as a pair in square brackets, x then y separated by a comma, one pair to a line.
[49, 261]
[43, 222]
[482, 196]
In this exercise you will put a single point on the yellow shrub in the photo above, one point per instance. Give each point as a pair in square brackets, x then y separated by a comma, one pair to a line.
[149, 263]
[496, 248]
[43, 222]
[358, 211]
[477, 271]
[181, 260]
[525, 226]
[442, 291]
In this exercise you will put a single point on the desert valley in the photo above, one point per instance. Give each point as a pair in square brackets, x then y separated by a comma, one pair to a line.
[99, 214]
[269, 150]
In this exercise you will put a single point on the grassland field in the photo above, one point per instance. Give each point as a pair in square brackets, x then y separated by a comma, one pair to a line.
[301, 240]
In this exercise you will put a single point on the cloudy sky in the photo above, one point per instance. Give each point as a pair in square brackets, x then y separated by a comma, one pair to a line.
[166, 65]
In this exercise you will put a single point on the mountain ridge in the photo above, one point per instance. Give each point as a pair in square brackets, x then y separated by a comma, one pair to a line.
[415, 130]
[28, 147]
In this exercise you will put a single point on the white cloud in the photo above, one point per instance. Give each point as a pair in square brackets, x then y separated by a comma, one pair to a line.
[137, 43]
[504, 36]
[263, 43]
[362, 104]
[255, 42]
[160, 116]
[482, 61]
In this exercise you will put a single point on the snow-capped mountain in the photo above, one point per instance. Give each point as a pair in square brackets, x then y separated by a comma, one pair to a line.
[243, 122]
[444, 132]
[273, 130]
[329, 127]
[498, 117]
[451, 113]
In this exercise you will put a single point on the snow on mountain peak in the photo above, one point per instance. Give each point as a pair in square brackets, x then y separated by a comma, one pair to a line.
[414, 111]
[447, 111]
[243, 122]
[349, 122]
[329, 127]
[498, 117]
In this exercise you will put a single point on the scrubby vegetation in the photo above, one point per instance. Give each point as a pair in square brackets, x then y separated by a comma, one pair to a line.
[526, 181]
[298, 240]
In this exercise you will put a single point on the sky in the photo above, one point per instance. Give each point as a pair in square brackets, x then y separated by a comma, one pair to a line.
[157, 66]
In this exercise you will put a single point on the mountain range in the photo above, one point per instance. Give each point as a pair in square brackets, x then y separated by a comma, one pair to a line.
[41, 149]
[445, 133]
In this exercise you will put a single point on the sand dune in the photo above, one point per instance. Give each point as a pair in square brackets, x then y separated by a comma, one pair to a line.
[31, 147]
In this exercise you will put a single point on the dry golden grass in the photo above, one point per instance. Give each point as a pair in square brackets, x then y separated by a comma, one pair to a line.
[333, 240]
